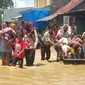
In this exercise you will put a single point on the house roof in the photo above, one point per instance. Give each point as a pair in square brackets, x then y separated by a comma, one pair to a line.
[78, 10]
[81, 6]
[56, 4]
[47, 18]
[71, 5]
[77, 13]
[11, 13]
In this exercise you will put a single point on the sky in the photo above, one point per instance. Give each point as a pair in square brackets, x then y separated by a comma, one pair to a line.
[23, 3]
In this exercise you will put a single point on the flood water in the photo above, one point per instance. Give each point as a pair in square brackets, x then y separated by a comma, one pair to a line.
[43, 73]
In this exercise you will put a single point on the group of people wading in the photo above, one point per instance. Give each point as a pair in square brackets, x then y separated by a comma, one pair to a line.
[17, 43]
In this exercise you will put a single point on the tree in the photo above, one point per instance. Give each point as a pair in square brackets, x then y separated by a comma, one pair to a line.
[6, 4]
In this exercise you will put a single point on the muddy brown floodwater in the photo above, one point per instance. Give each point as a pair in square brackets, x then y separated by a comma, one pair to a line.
[43, 73]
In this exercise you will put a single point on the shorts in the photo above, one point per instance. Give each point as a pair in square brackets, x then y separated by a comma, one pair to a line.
[6, 54]
[1, 53]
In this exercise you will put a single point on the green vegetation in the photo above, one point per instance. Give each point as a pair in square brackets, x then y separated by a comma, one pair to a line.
[5, 4]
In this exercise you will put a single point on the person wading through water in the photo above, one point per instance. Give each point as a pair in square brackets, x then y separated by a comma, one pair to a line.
[31, 40]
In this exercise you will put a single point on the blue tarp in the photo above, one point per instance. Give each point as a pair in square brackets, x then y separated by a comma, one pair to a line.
[35, 14]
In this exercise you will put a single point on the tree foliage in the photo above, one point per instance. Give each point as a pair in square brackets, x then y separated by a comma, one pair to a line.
[6, 4]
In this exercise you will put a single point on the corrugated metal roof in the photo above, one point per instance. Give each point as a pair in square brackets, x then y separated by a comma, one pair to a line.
[79, 7]
[17, 17]
[78, 12]
[56, 4]
[72, 4]
[47, 18]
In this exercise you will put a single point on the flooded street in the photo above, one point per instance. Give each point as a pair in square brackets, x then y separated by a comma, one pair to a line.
[43, 73]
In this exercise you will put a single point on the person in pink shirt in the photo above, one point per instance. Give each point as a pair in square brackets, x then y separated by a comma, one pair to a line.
[18, 53]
